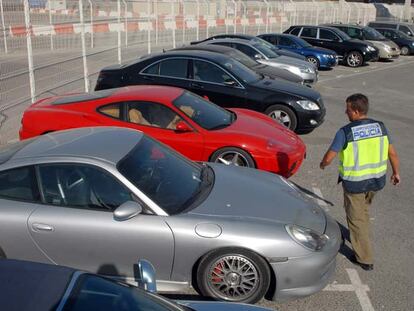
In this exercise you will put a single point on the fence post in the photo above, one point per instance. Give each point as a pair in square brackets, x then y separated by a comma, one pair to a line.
[173, 18]
[119, 31]
[149, 26]
[183, 22]
[50, 24]
[4, 27]
[126, 22]
[85, 65]
[242, 4]
[91, 20]
[267, 15]
[198, 20]
[29, 50]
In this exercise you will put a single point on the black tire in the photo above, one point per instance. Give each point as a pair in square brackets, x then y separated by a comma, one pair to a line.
[314, 60]
[278, 111]
[253, 266]
[405, 50]
[354, 59]
[235, 155]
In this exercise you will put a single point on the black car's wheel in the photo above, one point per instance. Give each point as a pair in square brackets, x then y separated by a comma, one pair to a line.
[354, 59]
[233, 156]
[233, 274]
[313, 60]
[283, 115]
[405, 50]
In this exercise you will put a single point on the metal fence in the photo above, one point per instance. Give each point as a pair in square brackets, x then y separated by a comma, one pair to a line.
[55, 46]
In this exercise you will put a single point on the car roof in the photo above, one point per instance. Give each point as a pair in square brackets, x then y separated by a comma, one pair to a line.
[391, 23]
[233, 40]
[32, 286]
[207, 47]
[344, 25]
[105, 143]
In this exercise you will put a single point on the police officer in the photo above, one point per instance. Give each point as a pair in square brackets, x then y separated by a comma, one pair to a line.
[364, 148]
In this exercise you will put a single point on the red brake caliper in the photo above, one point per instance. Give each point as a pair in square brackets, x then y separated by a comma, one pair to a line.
[218, 270]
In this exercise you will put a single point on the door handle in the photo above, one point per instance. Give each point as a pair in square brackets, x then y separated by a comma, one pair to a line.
[42, 227]
[197, 85]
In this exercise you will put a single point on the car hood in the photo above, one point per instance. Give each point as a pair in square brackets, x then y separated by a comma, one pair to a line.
[319, 50]
[253, 194]
[219, 306]
[290, 61]
[257, 128]
[275, 72]
[382, 44]
[287, 53]
[294, 89]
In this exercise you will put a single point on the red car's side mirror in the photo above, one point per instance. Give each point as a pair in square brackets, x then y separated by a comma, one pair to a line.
[182, 127]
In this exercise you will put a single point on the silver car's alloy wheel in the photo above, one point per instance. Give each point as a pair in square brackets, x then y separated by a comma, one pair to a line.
[233, 278]
[282, 117]
[405, 50]
[313, 60]
[232, 158]
[354, 59]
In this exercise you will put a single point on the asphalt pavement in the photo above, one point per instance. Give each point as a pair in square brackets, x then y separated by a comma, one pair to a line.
[390, 286]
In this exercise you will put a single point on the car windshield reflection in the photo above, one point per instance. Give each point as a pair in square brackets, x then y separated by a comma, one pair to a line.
[175, 183]
[206, 114]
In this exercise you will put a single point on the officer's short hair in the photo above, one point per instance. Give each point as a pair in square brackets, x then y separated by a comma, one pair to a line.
[359, 102]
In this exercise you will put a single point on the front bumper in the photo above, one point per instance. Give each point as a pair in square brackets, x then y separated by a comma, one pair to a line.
[303, 276]
[387, 54]
[309, 119]
[328, 62]
[371, 56]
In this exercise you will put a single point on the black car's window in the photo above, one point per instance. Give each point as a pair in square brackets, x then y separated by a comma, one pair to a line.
[153, 70]
[170, 180]
[246, 49]
[152, 114]
[295, 31]
[325, 34]
[176, 68]
[405, 30]
[203, 112]
[355, 33]
[372, 34]
[309, 32]
[208, 72]
[271, 39]
[112, 110]
[286, 42]
[81, 186]
[96, 293]
[19, 184]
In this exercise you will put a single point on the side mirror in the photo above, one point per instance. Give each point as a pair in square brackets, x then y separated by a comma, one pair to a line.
[182, 127]
[146, 276]
[258, 56]
[127, 211]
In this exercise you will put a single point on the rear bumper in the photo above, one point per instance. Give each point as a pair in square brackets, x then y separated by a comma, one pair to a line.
[304, 276]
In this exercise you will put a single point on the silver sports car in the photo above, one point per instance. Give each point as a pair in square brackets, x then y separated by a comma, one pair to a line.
[97, 199]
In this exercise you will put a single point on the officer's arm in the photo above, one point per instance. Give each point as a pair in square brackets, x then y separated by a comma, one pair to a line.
[327, 158]
[395, 164]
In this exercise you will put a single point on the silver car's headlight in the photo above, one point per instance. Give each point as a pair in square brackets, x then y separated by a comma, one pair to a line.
[308, 105]
[307, 237]
[307, 70]
[387, 47]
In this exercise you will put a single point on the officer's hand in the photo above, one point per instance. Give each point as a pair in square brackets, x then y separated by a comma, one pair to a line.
[395, 179]
[321, 165]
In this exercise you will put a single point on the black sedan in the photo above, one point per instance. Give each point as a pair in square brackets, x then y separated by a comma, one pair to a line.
[263, 69]
[30, 286]
[405, 42]
[352, 52]
[224, 81]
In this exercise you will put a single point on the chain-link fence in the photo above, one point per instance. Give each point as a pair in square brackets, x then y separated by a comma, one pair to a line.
[55, 46]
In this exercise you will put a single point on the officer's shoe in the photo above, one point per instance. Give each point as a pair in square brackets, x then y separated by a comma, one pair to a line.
[364, 266]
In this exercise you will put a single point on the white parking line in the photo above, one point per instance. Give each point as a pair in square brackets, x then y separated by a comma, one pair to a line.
[356, 286]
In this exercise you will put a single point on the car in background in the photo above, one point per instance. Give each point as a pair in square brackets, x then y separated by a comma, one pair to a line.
[263, 54]
[407, 28]
[252, 39]
[224, 81]
[405, 43]
[320, 57]
[269, 71]
[387, 49]
[38, 287]
[195, 127]
[352, 52]
[98, 198]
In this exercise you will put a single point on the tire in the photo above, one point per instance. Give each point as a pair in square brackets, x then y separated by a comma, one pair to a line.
[233, 156]
[220, 275]
[284, 115]
[313, 60]
[354, 59]
[405, 50]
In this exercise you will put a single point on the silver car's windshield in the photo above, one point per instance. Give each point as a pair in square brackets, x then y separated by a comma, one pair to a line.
[372, 34]
[265, 49]
[173, 182]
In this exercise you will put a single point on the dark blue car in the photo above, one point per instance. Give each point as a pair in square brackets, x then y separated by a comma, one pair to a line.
[322, 58]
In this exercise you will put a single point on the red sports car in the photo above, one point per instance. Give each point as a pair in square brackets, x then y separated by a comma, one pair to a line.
[188, 123]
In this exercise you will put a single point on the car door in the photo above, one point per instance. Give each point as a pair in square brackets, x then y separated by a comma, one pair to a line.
[289, 44]
[159, 121]
[172, 71]
[310, 34]
[328, 39]
[218, 85]
[76, 225]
